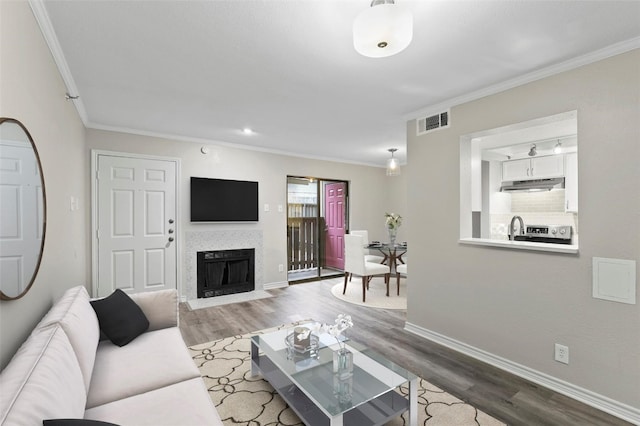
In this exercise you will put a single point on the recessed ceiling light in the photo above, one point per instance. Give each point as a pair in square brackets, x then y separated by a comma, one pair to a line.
[247, 131]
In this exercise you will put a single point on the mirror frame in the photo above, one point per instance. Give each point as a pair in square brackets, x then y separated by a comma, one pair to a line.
[3, 296]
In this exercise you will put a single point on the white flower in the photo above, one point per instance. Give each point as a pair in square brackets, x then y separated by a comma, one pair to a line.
[341, 324]
[393, 220]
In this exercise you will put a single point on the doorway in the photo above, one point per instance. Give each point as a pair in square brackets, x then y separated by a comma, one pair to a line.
[317, 218]
[134, 223]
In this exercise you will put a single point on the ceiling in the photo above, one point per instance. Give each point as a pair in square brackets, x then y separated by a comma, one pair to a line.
[201, 71]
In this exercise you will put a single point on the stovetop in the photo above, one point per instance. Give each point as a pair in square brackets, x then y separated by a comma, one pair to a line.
[555, 234]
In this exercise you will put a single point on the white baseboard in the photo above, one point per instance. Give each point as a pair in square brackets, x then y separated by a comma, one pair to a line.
[271, 286]
[601, 402]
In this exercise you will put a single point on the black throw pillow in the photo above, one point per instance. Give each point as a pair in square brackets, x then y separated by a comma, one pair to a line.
[75, 422]
[120, 318]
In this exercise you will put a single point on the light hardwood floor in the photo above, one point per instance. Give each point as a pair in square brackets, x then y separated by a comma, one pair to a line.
[507, 397]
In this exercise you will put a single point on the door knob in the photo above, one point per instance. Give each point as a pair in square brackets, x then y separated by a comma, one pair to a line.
[170, 220]
[170, 239]
[171, 231]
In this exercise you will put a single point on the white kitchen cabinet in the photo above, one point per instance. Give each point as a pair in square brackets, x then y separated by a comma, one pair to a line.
[549, 166]
[571, 183]
[516, 170]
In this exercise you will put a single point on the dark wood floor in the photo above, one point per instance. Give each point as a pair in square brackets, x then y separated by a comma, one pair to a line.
[504, 396]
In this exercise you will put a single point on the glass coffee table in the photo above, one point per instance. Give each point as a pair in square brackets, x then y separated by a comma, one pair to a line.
[366, 395]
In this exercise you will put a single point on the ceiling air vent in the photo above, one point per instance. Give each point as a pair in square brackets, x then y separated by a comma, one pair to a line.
[432, 123]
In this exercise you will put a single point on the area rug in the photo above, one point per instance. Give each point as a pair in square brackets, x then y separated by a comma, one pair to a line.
[240, 399]
[376, 295]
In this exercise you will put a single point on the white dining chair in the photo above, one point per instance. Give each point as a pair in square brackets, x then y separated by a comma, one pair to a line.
[368, 257]
[354, 263]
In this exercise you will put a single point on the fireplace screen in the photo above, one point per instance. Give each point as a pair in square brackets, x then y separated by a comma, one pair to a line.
[225, 272]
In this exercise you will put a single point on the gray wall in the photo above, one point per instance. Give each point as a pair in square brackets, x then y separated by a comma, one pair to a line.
[517, 304]
[371, 191]
[32, 91]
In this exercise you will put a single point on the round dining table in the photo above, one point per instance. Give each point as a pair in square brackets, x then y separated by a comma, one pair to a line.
[391, 252]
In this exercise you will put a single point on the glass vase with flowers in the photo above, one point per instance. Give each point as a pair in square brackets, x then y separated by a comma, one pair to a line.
[392, 222]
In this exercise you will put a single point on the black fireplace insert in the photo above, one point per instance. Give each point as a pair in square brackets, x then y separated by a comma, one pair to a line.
[223, 272]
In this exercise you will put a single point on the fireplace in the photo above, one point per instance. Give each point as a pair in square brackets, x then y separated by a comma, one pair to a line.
[223, 272]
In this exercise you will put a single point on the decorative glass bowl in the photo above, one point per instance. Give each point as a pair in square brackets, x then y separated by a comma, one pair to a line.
[297, 352]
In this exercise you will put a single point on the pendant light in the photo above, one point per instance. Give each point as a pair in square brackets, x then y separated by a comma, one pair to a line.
[393, 166]
[382, 30]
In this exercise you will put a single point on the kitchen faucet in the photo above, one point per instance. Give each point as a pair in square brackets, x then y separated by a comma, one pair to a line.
[512, 231]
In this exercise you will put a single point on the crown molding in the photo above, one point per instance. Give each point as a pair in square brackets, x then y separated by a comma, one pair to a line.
[595, 56]
[182, 138]
[42, 17]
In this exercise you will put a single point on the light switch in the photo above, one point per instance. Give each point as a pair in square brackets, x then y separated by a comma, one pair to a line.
[74, 203]
[614, 280]
[266, 207]
[280, 208]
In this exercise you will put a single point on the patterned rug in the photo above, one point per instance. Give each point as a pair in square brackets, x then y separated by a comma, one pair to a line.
[225, 366]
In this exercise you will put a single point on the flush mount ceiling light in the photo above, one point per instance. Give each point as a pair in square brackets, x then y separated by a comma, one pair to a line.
[247, 131]
[393, 166]
[532, 151]
[382, 30]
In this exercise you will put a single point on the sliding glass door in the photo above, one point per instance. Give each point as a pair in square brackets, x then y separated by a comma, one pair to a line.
[317, 214]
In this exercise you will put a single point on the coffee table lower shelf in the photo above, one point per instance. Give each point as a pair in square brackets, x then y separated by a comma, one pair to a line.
[376, 412]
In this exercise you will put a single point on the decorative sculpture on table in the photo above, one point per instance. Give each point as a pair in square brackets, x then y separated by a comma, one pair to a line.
[302, 345]
[301, 338]
[393, 222]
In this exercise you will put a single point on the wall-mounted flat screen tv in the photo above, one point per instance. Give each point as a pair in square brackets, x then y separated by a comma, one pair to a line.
[223, 200]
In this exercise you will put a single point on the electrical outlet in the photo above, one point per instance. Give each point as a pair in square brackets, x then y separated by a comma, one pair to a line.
[562, 353]
[281, 268]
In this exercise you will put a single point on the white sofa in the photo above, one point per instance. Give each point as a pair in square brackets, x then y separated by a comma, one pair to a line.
[64, 370]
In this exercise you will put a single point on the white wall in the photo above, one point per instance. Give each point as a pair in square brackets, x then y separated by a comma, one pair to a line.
[31, 90]
[517, 304]
[371, 191]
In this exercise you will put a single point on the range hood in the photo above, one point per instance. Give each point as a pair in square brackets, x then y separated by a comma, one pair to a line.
[533, 185]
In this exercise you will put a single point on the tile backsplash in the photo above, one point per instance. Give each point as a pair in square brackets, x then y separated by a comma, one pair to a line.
[544, 201]
[535, 208]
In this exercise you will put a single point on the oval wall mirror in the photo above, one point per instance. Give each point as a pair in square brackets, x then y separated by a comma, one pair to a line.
[22, 210]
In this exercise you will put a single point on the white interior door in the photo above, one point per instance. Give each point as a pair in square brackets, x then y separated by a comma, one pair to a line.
[21, 216]
[136, 206]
